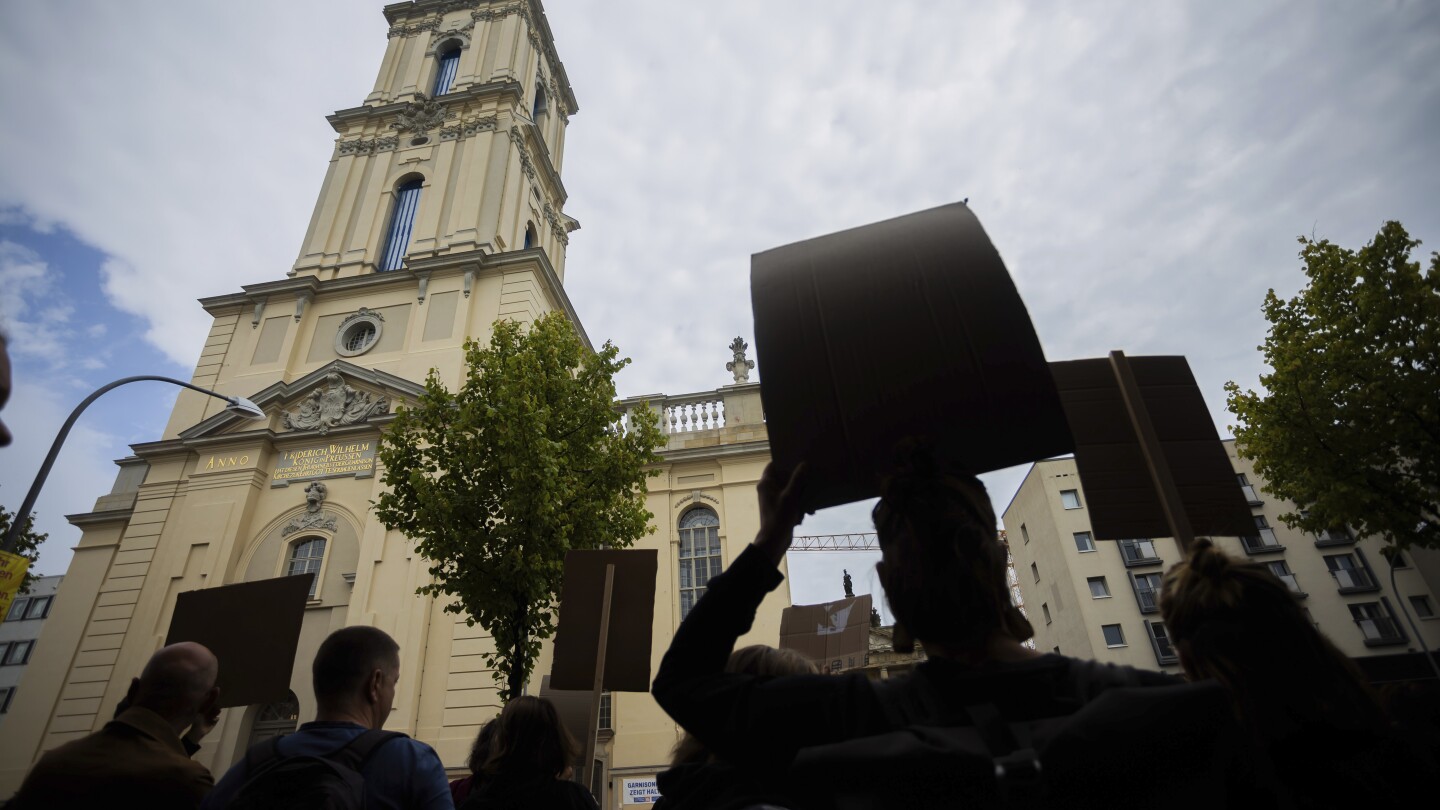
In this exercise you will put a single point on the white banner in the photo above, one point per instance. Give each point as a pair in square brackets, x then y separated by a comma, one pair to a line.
[639, 791]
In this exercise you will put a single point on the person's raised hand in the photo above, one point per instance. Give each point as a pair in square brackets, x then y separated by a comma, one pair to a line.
[780, 509]
[204, 720]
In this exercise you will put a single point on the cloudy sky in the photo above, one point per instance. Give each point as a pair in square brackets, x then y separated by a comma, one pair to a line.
[1144, 169]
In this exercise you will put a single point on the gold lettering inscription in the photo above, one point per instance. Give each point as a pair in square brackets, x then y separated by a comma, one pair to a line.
[224, 462]
[325, 461]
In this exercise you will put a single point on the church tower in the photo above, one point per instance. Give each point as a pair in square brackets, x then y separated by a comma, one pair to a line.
[442, 211]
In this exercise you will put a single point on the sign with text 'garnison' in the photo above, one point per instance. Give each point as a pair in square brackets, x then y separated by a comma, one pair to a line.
[640, 791]
[325, 461]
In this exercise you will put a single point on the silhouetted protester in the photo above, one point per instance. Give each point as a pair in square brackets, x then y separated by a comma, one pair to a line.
[342, 758]
[137, 759]
[530, 756]
[460, 789]
[1303, 705]
[943, 570]
[698, 778]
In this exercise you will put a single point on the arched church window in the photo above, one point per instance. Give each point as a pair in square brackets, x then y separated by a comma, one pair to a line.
[305, 558]
[275, 719]
[402, 222]
[541, 102]
[699, 554]
[531, 238]
[445, 73]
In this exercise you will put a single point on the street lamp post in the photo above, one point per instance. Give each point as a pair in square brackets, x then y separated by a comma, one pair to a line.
[237, 405]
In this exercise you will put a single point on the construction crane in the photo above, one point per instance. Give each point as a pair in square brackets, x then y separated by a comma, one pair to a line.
[863, 541]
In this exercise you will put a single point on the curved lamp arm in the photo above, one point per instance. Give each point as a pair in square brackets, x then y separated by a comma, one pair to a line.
[238, 405]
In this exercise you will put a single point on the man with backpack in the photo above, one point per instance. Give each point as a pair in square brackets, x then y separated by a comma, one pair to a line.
[343, 759]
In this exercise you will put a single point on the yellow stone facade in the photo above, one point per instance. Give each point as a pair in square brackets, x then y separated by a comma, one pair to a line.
[220, 500]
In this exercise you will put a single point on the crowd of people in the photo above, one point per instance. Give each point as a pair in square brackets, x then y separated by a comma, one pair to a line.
[1268, 713]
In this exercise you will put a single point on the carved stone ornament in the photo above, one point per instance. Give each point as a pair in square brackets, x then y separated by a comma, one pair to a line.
[333, 405]
[420, 116]
[361, 146]
[309, 521]
[740, 367]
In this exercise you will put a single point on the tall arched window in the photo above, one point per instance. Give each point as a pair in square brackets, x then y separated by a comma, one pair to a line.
[305, 558]
[541, 102]
[402, 222]
[275, 719]
[445, 72]
[699, 554]
[531, 238]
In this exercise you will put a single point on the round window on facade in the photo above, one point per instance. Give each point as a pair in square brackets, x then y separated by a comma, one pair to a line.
[358, 333]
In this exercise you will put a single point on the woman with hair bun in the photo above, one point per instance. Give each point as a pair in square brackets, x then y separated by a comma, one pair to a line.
[1314, 724]
[943, 570]
[529, 757]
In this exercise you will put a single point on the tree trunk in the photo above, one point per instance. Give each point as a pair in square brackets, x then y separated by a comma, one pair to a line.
[519, 661]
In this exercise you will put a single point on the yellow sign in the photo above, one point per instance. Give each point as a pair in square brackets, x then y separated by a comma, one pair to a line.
[325, 461]
[12, 573]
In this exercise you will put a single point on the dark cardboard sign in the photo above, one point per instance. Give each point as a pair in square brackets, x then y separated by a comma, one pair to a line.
[632, 614]
[1120, 495]
[835, 635]
[253, 628]
[909, 327]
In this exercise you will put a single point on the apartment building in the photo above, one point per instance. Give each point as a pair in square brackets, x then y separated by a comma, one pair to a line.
[18, 634]
[1100, 599]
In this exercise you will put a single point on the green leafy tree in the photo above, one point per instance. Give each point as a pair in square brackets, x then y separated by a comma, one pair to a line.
[1349, 426]
[29, 545]
[526, 461]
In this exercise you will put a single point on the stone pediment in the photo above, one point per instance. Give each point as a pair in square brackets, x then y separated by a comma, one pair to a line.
[335, 395]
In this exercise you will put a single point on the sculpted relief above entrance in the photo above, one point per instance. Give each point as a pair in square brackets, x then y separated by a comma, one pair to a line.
[334, 404]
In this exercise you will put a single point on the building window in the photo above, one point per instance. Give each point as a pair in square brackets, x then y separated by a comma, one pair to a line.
[1251, 496]
[358, 333]
[1147, 591]
[1035, 571]
[445, 73]
[1070, 498]
[1159, 638]
[6, 694]
[606, 723]
[1025, 534]
[1099, 588]
[699, 554]
[1282, 572]
[1084, 542]
[1376, 624]
[1349, 574]
[1422, 607]
[17, 609]
[402, 223]
[531, 238]
[541, 102]
[15, 653]
[1139, 552]
[1057, 649]
[1263, 540]
[305, 558]
[1397, 560]
[1114, 636]
[1045, 608]
[275, 719]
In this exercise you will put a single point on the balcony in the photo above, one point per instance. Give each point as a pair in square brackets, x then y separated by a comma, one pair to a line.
[1164, 651]
[1264, 543]
[1354, 580]
[1380, 631]
[1138, 553]
[1251, 496]
[1149, 599]
[1293, 584]
[1334, 537]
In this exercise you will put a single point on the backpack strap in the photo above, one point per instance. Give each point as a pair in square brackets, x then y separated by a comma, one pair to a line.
[355, 753]
[258, 755]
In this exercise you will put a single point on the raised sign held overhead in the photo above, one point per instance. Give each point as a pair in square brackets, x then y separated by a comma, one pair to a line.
[1147, 451]
[906, 328]
[253, 628]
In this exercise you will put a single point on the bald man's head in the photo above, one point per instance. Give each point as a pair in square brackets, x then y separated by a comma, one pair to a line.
[178, 682]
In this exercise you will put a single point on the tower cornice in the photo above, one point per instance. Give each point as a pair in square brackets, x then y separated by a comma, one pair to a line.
[341, 119]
